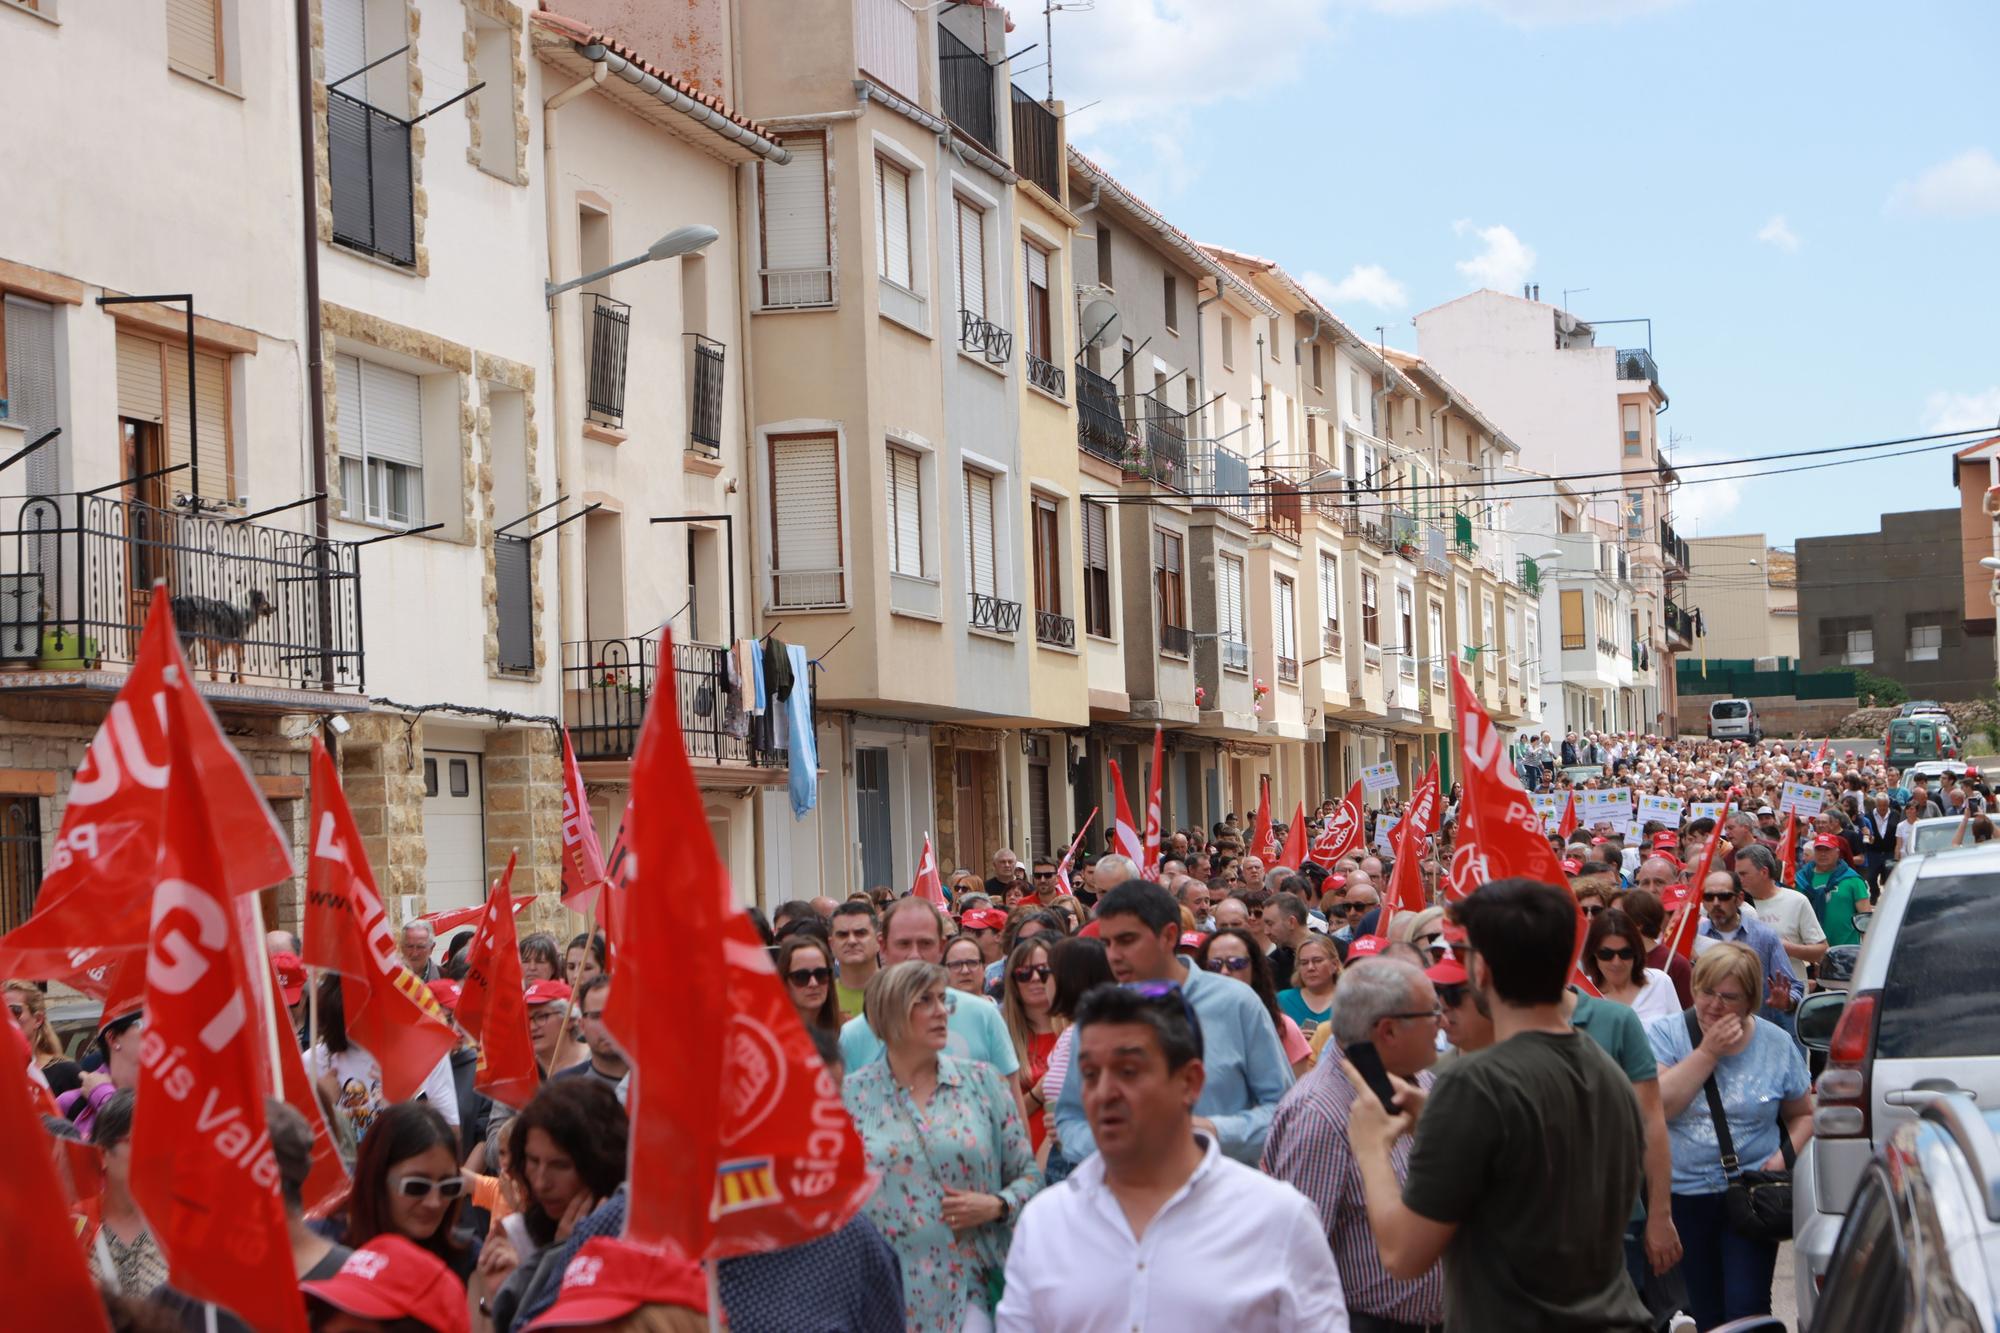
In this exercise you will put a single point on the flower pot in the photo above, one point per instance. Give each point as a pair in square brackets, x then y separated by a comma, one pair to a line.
[64, 651]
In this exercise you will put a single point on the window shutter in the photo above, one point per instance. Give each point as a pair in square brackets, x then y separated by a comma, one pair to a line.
[347, 405]
[971, 258]
[1572, 617]
[805, 521]
[1230, 588]
[892, 189]
[979, 532]
[211, 396]
[1288, 612]
[139, 395]
[1038, 266]
[392, 407]
[191, 37]
[346, 28]
[1096, 552]
[1329, 588]
[906, 529]
[30, 348]
[795, 239]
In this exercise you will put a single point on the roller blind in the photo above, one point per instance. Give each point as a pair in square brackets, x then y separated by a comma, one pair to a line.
[1572, 617]
[211, 399]
[1229, 592]
[892, 230]
[346, 49]
[192, 31]
[1096, 543]
[795, 226]
[1329, 588]
[347, 405]
[392, 403]
[30, 338]
[1287, 609]
[971, 257]
[805, 521]
[906, 528]
[139, 394]
[979, 561]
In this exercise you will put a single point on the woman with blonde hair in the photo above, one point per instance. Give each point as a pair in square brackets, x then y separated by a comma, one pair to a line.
[30, 1010]
[1423, 929]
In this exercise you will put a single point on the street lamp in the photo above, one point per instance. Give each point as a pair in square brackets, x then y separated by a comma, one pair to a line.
[679, 241]
[1991, 562]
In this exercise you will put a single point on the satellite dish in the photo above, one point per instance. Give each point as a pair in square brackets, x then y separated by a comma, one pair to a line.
[1099, 323]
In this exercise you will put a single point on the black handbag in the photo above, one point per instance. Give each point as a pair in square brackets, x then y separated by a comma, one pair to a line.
[1758, 1204]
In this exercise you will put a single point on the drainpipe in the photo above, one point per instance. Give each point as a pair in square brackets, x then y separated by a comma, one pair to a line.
[569, 448]
[746, 269]
[1200, 356]
[315, 354]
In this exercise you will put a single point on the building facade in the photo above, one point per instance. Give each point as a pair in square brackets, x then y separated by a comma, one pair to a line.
[1748, 595]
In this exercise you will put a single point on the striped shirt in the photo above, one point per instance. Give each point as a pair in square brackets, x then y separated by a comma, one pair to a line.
[1307, 1148]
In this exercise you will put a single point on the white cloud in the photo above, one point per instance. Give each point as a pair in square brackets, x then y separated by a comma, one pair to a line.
[1777, 232]
[1532, 13]
[1966, 186]
[1365, 284]
[1701, 508]
[1503, 265]
[1947, 411]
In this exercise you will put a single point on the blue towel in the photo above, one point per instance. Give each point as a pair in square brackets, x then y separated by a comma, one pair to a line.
[754, 654]
[805, 752]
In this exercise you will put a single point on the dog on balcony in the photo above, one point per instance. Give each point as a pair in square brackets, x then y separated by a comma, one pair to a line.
[220, 627]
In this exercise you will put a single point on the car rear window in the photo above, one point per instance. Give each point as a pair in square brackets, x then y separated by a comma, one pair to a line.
[1939, 1000]
[1731, 708]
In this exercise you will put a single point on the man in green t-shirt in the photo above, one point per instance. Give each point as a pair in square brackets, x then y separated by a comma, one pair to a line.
[857, 944]
[1528, 1153]
[1650, 1239]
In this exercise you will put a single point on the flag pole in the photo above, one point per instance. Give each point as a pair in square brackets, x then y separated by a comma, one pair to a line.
[708, 1271]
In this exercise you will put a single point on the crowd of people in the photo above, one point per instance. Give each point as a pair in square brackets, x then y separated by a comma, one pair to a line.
[1102, 1098]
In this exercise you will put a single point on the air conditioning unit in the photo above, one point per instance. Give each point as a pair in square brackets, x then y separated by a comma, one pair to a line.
[1765, 664]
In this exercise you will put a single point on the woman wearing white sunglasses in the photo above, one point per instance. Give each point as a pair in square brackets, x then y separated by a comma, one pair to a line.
[407, 1183]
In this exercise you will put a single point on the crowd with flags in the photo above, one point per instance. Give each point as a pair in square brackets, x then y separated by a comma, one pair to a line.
[981, 1103]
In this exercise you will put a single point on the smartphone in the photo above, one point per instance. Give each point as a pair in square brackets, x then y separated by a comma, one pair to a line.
[1365, 1059]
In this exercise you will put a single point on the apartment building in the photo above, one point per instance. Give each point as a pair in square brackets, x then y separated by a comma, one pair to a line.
[1892, 602]
[1748, 594]
[1975, 471]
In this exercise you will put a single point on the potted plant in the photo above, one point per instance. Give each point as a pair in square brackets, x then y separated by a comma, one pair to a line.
[63, 650]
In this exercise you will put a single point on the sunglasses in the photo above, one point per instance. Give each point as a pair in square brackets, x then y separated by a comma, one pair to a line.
[1033, 972]
[1718, 897]
[1592, 911]
[1628, 953]
[420, 1187]
[964, 965]
[1451, 996]
[1227, 964]
[1045, 874]
[1428, 940]
[809, 976]
[1355, 909]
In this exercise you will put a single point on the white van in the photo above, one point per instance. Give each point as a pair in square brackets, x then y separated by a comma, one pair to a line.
[1734, 720]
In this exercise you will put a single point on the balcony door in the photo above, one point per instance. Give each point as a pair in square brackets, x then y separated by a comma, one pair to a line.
[871, 799]
[142, 451]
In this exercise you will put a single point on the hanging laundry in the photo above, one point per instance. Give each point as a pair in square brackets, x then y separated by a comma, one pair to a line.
[805, 750]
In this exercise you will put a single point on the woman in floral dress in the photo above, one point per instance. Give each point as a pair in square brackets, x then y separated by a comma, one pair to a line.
[947, 1138]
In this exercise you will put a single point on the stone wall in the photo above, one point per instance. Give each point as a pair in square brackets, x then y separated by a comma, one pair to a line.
[1781, 715]
[524, 816]
[382, 771]
[1974, 719]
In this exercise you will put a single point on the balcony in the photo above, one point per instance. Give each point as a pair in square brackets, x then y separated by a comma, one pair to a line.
[1674, 551]
[1529, 575]
[1681, 625]
[705, 367]
[994, 615]
[261, 608]
[1036, 154]
[1220, 478]
[1166, 443]
[1100, 424]
[1176, 640]
[1235, 655]
[982, 337]
[965, 88]
[368, 173]
[610, 335]
[1046, 375]
[1636, 363]
[1279, 510]
[1057, 631]
[1288, 670]
[886, 37]
[1329, 640]
[1607, 647]
[608, 682]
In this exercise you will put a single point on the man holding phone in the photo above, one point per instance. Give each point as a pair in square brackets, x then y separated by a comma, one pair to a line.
[1541, 1125]
[1386, 1012]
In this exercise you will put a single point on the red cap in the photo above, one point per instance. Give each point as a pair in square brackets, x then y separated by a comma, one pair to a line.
[392, 1277]
[1367, 946]
[984, 918]
[1192, 939]
[1089, 931]
[291, 976]
[1666, 840]
[1827, 840]
[610, 1279]
[445, 991]
[1676, 896]
[1599, 842]
[1448, 972]
[1572, 866]
[546, 992]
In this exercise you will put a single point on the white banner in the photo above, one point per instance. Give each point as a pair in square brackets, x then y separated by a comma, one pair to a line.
[1549, 805]
[1801, 799]
[1380, 777]
[1383, 828]
[1612, 806]
[1705, 810]
[1666, 809]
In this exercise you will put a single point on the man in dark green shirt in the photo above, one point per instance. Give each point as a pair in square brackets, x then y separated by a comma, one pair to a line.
[1528, 1153]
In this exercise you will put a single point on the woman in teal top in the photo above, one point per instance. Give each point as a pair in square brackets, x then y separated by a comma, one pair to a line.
[1316, 969]
[946, 1137]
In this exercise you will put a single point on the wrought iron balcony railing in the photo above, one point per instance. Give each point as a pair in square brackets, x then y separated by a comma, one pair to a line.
[1636, 363]
[1056, 630]
[705, 395]
[1166, 442]
[1176, 640]
[1288, 670]
[996, 615]
[983, 337]
[607, 684]
[1045, 375]
[1100, 425]
[1329, 639]
[368, 173]
[610, 335]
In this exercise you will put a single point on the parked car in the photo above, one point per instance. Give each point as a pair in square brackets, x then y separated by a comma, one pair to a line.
[1920, 1020]
[1927, 736]
[1734, 720]
[1916, 706]
[1935, 835]
[1922, 1239]
[1933, 769]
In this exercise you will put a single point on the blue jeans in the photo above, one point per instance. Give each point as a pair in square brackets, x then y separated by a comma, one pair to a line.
[1728, 1276]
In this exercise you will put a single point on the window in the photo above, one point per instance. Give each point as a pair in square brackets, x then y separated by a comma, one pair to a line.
[1572, 619]
[1371, 625]
[981, 567]
[1285, 625]
[906, 515]
[1036, 318]
[1531, 644]
[1103, 251]
[1406, 623]
[969, 226]
[1465, 636]
[492, 107]
[1274, 339]
[795, 227]
[381, 443]
[1048, 555]
[1635, 515]
[1096, 569]
[1171, 295]
[1926, 637]
[28, 383]
[1435, 648]
[1354, 395]
[1229, 607]
[1329, 601]
[1631, 415]
[1489, 633]
[892, 224]
[1228, 343]
[1860, 648]
[194, 38]
[152, 386]
[1318, 383]
[807, 555]
[1167, 578]
[368, 141]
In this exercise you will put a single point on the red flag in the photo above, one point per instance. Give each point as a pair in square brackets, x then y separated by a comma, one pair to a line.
[583, 857]
[327, 1183]
[96, 896]
[1260, 829]
[928, 886]
[1567, 824]
[451, 918]
[1293, 854]
[45, 1282]
[490, 1004]
[1788, 851]
[1149, 868]
[1069, 857]
[1419, 821]
[202, 1168]
[387, 1011]
[1125, 840]
[1342, 836]
[1688, 925]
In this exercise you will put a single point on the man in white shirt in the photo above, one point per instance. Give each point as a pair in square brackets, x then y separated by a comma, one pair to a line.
[1131, 1239]
[1785, 910]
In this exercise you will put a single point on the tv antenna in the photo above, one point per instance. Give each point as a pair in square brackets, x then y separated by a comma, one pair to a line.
[1049, 39]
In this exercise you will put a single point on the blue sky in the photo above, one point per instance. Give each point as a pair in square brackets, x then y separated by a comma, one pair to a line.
[1804, 197]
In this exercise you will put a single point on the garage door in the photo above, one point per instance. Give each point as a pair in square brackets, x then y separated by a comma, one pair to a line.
[454, 830]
